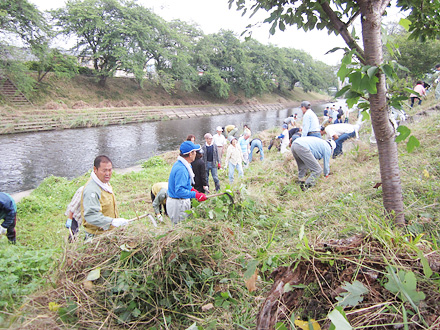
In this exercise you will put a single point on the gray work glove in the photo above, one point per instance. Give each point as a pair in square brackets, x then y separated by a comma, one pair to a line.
[3, 230]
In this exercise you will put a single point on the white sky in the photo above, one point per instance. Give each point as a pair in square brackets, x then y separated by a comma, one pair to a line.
[214, 15]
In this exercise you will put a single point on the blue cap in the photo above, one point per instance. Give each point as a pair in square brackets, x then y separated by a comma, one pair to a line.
[285, 126]
[187, 146]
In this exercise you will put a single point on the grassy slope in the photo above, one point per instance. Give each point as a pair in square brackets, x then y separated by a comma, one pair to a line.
[268, 219]
[120, 92]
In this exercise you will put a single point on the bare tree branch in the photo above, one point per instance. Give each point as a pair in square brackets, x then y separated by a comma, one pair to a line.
[341, 27]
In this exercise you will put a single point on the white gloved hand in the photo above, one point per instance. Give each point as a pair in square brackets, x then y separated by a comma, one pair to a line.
[159, 217]
[3, 230]
[117, 222]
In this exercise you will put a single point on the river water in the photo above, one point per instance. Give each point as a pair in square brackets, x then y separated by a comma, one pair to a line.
[28, 158]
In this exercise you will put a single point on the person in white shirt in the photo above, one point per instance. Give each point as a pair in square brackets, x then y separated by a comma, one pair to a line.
[220, 141]
[234, 159]
[340, 133]
[310, 122]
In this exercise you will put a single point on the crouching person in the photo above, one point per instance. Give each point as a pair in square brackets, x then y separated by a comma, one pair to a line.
[307, 151]
[8, 212]
[181, 177]
[98, 202]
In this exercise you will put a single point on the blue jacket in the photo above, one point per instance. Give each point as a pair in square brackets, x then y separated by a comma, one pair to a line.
[179, 182]
[8, 209]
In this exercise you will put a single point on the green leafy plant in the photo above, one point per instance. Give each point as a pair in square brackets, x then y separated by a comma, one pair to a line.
[404, 284]
[353, 296]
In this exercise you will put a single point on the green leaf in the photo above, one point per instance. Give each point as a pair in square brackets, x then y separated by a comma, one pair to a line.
[280, 326]
[426, 268]
[355, 79]
[343, 72]
[342, 90]
[405, 23]
[404, 133]
[94, 274]
[389, 72]
[412, 143]
[354, 293]
[339, 320]
[405, 285]
[372, 71]
[251, 267]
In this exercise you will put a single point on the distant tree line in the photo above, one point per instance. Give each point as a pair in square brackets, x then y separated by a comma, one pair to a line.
[118, 35]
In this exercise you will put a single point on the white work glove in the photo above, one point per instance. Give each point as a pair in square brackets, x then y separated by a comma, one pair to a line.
[3, 230]
[159, 217]
[68, 223]
[117, 222]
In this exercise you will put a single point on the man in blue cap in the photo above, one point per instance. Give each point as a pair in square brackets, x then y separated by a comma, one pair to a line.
[181, 177]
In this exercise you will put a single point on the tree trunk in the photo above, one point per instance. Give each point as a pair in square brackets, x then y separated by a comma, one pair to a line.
[388, 157]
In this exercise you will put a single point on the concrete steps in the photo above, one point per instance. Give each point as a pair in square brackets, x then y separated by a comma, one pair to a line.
[12, 94]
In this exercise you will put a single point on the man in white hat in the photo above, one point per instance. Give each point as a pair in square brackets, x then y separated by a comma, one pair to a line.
[220, 141]
[307, 151]
[181, 177]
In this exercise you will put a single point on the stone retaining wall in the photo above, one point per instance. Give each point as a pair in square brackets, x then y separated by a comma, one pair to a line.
[33, 120]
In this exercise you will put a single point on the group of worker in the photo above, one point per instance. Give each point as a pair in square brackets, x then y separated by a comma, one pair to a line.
[307, 145]
[94, 205]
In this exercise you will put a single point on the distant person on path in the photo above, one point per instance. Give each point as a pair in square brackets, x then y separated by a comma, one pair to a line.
[437, 89]
[256, 143]
[8, 212]
[243, 142]
[211, 159]
[307, 151]
[98, 202]
[230, 130]
[234, 159]
[420, 90]
[284, 137]
[73, 213]
[220, 141]
[191, 138]
[199, 169]
[310, 123]
[340, 133]
[159, 198]
[181, 177]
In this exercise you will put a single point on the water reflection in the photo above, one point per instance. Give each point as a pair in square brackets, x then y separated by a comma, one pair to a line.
[26, 159]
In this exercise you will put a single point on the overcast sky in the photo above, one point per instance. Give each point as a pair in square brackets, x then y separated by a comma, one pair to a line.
[214, 15]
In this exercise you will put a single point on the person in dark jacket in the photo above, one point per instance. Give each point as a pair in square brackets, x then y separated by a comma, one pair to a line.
[211, 159]
[199, 170]
[8, 212]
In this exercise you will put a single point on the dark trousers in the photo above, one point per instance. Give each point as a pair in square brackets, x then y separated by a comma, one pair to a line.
[74, 229]
[10, 233]
[340, 141]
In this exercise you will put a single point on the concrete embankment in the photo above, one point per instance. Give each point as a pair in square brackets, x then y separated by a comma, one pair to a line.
[45, 120]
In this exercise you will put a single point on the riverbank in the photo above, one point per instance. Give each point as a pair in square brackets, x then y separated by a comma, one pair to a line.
[79, 102]
[221, 259]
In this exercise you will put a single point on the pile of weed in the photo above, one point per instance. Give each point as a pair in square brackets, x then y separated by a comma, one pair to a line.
[375, 279]
[142, 280]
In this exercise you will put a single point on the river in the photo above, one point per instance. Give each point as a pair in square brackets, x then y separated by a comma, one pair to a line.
[28, 158]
